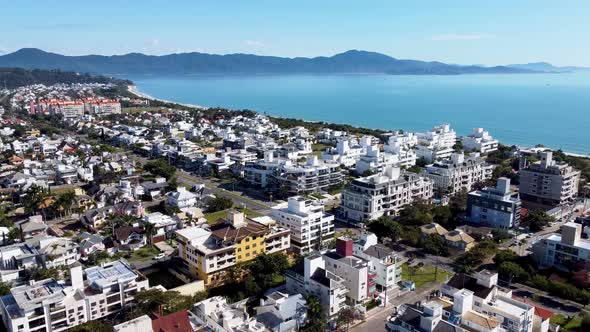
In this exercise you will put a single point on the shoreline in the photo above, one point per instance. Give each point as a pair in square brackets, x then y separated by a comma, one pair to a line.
[135, 91]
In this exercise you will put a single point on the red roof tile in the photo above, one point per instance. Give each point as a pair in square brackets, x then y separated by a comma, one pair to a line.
[176, 322]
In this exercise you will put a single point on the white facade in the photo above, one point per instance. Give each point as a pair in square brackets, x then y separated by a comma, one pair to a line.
[50, 305]
[383, 194]
[458, 173]
[548, 183]
[479, 141]
[383, 262]
[437, 143]
[563, 250]
[220, 316]
[307, 221]
[181, 198]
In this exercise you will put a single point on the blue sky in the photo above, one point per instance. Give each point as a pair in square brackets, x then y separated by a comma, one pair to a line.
[453, 31]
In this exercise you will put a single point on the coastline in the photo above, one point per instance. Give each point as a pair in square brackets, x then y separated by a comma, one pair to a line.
[135, 91]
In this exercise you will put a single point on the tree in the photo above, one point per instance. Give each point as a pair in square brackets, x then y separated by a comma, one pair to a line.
[5, 288]
[512, 271]
[385, 227]
[505, 256]
[316, 317]
[34, 196]
[416, 214]
[219, 204]
[160, 168]
[434, 245]
[538, 219]
[500, 235]
[91, 326]
[347, 316]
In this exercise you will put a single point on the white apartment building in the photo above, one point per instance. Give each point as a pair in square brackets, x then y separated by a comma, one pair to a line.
[562, 251]
[59, 251]
[402, 145]
[163, 225]
[219, 316]
[347, 152]
[181, 198]
[479, 141]
[383, 262]
[383, 194]
[296, 178]
[49, 305]
[548, 183]
[437, 143]
[485, 297]
[310, 226]
[310, 277]
[458, 173]
[497, 206]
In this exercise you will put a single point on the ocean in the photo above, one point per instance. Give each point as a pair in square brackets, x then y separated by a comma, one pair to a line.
[521, 109]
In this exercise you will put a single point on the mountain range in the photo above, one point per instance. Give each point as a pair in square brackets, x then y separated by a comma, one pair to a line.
[547, 67]
[352, 61]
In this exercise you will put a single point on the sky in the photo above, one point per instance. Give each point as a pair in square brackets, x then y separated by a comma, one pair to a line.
[452, 31]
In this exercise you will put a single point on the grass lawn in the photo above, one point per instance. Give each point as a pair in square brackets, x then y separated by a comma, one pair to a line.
[318, 148]
[146, 252]
[214, 216]
[573, 324]
[424, 275]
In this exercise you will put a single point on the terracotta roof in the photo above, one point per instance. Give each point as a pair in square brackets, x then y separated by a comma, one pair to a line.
[122, 233]
[176, 322]
[227, 232]
[543, 313]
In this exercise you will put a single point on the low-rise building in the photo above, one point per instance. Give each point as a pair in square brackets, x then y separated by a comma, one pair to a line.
[496, 207]
[457, 239]
[209, 253]
[164, 226]
[484, 296]
[220, 316]
[310, 226]
[562, 251]
[281, 312]
[383, 194]
[181, 198]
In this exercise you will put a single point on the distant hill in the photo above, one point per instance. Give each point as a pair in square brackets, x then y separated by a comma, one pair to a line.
[547, 67]
[15, 77]
[200, 63]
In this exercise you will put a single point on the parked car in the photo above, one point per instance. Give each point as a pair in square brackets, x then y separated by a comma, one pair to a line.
[159, 256]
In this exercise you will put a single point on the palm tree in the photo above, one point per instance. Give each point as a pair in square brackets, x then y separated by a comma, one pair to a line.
[149, 231]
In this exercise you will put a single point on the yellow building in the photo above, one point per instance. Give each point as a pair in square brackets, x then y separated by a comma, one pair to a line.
[209, 253]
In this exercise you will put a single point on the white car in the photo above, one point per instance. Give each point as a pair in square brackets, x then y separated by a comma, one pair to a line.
[159, 256]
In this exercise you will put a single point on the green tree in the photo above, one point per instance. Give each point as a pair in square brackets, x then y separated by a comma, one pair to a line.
[538, 219]
[160, 168]
[347, 316]
[385, 227]
[511, 271]
[5, 288]
[219, 203]
[91, 326]
[316, 317]
[434, 245]
[506, 255]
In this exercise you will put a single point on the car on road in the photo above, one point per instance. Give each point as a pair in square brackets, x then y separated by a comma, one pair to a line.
[159, 256]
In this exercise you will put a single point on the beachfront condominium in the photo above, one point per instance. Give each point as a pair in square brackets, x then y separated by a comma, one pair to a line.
[479, 141]
[50, 305]
[548, 183]
[436, 143]
[237, 239]
[311, 227]
[458, 173]
[295, 178]
[562, 251]
[383, 194]
[497, 207]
